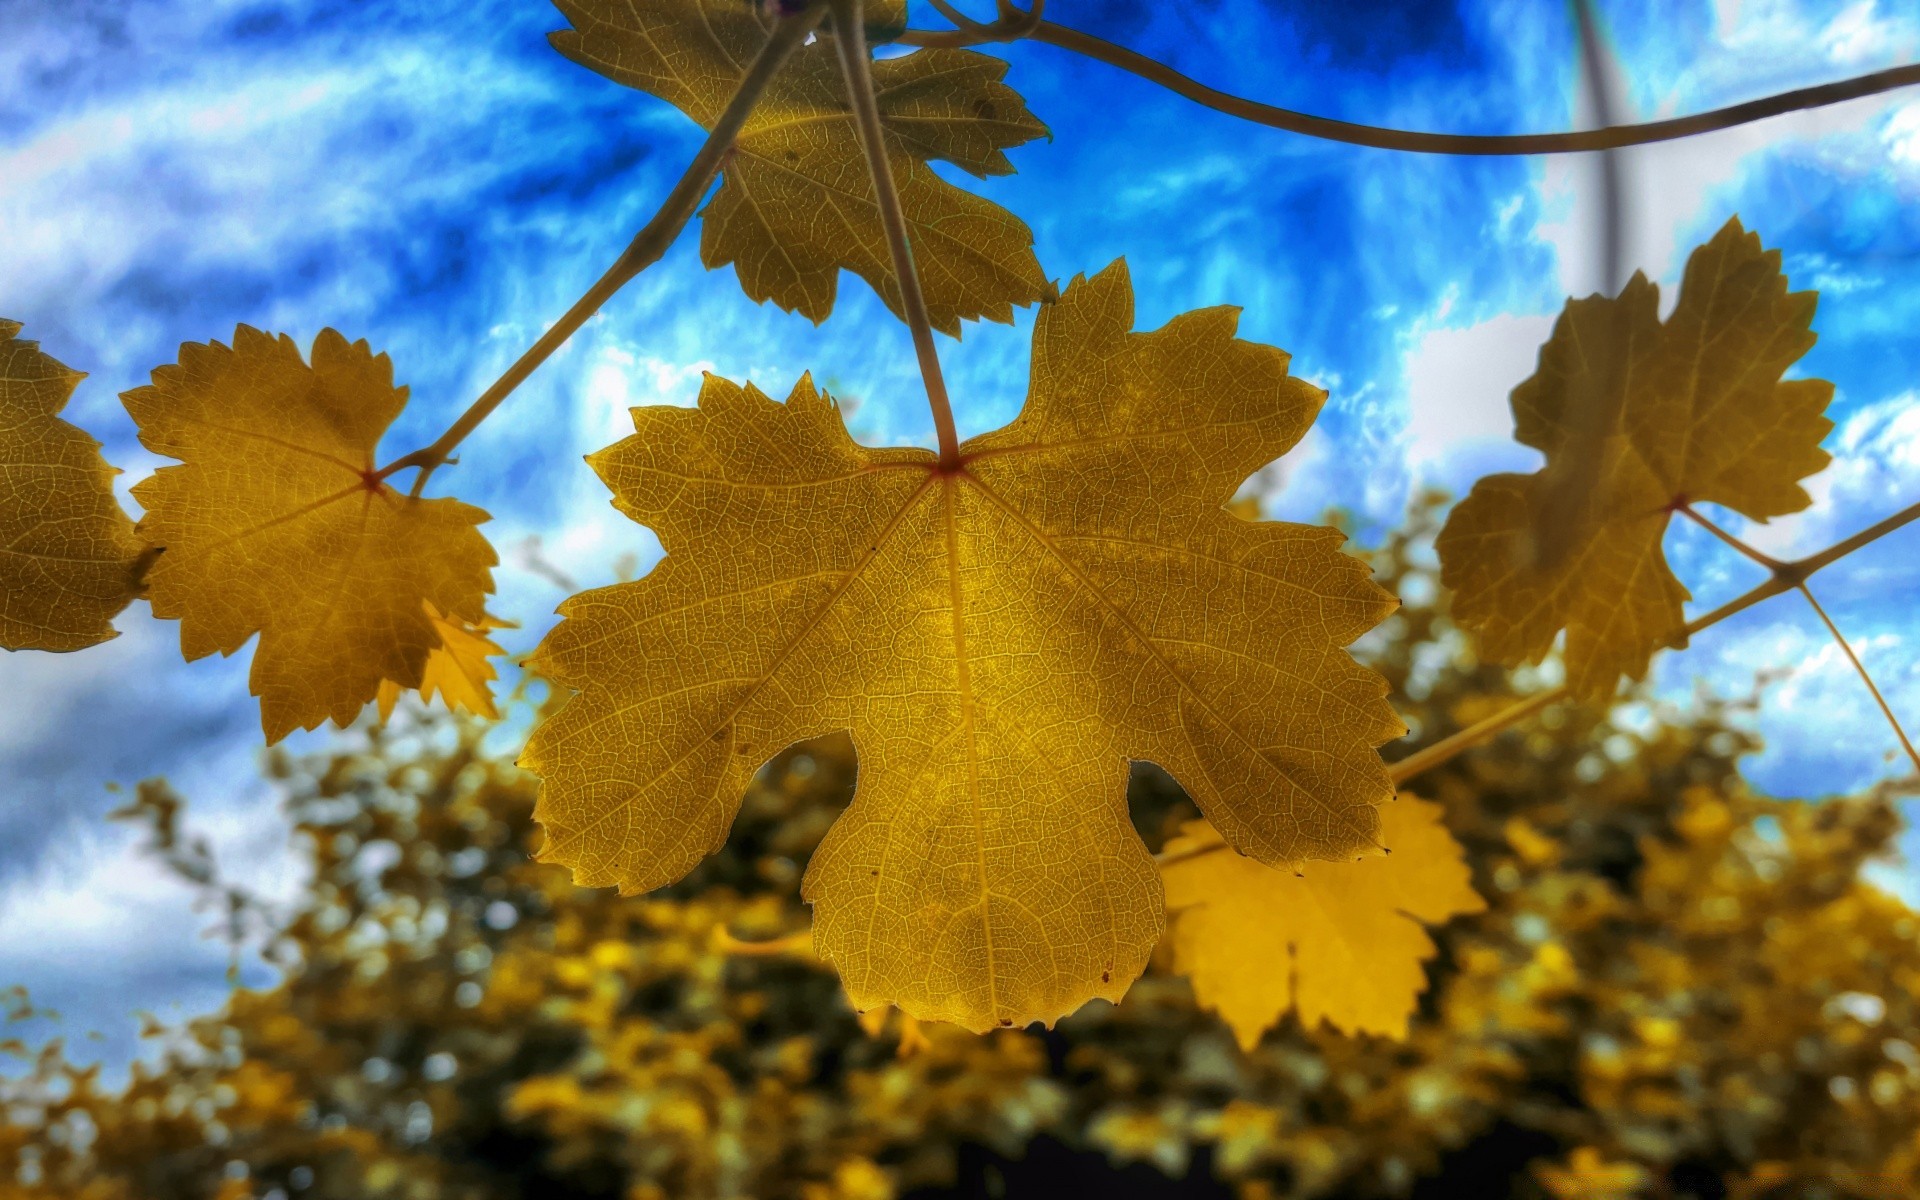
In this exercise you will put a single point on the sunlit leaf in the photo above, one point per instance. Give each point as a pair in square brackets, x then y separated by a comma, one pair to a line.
[275, 524]
[1001, 640]
[68, 553]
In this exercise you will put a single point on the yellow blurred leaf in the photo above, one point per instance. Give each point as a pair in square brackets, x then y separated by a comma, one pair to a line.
[1000, 639]
[1341, 942]
[1693, 409]
[67, 551]
[458, 668]
[796, 205]
[275, 524]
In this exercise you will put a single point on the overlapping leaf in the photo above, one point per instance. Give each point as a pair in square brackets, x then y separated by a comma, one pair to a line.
[459, 670]
[276, 525]
[1341, 942]
[796, 204]
[1000, 640]
[1693, 409]
[67, 551]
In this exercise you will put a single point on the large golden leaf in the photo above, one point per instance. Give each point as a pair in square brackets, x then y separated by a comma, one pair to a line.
[67, 551]
[1691, 409]
[275, 524]
[796, 204]
[1340, 942]
[1001, 640]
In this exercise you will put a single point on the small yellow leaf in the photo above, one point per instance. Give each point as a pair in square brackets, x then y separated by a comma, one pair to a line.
[1692, 409]
[1340, 942]
[458, 669]
[1000, 638]
[796, 204]
[67, 551]
[275, 524]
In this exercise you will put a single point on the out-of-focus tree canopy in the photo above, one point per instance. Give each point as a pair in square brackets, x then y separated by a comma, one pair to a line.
[1679, 988]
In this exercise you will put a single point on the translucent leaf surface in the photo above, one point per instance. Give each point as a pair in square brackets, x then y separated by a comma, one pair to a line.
[1000, 639]
[67, 551]
[274, 524]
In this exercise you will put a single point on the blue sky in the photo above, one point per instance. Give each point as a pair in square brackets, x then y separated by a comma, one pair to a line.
[429, 175]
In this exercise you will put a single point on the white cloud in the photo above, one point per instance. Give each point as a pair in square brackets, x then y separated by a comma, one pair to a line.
[1459, 380]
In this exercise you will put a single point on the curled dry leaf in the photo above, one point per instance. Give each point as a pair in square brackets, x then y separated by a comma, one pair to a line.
[1340, 942]
[275, 523]
[1694, 409]
[68, 554]
[1000, 639]
[796, 204]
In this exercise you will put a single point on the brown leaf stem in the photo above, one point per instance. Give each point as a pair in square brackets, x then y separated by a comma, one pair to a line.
[850, 42]
[1420, 142]
[646, 248]
[1765, 560]
[1860, 667]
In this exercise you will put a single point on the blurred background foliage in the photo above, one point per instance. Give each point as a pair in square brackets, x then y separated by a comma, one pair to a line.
[1680, 988]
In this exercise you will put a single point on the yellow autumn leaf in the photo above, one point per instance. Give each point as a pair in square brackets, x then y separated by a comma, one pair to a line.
[1000, 639]
[796, 204]
[1693, 409]
[275, 524]
[458, 668]
[67, 551]
[1339, 942]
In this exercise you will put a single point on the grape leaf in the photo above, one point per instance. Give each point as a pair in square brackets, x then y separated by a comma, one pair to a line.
[1341, 942]
[275, 524]
[68, 553]
[1000, 640]
[457, 668]
[1694, 410]
[796, 204]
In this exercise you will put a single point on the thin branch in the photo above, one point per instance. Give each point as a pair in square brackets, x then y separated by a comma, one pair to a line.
[1865, 678]
[645, 249]
[1473, 735]
[1787, 576]
[850, 41]
[1418, 142]
[1765, 560]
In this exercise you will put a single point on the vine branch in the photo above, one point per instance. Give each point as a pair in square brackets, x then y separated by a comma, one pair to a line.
[850, 42]
[646, 248]
[1861, 668]
[1787, 576]
[1610, 137]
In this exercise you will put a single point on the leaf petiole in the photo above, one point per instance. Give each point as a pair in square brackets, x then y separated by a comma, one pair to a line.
[646, 248]
[850, 42]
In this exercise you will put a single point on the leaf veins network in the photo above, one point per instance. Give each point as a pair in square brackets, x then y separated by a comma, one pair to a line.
[1000, 639]
[276, 523]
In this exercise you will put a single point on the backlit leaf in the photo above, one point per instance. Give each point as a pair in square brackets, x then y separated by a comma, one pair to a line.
[796, 204]
[1341, 942]
[275, 525]
[1000, 640]
[67, 551]
[1693, 410]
